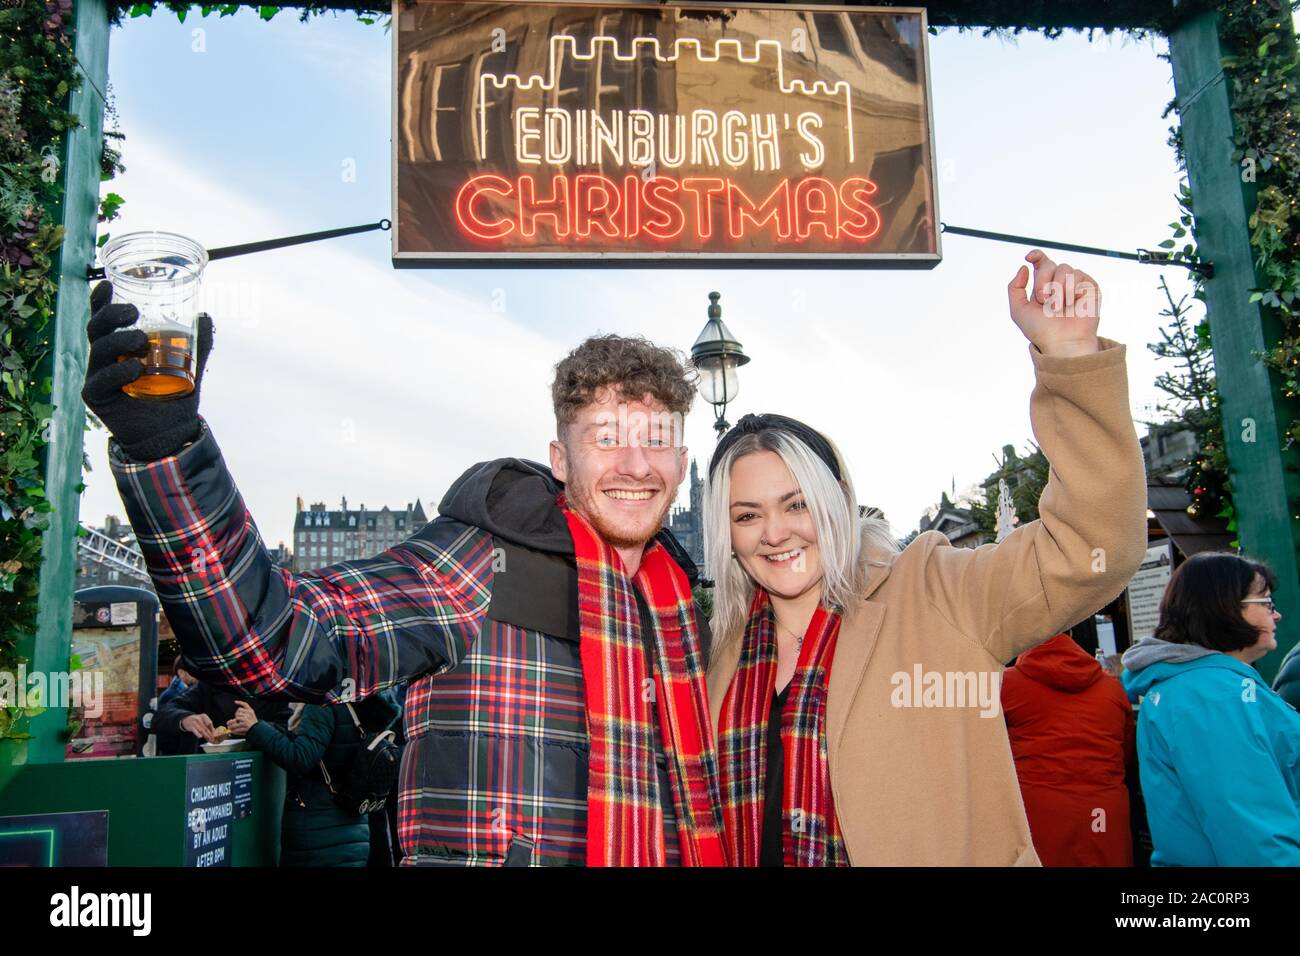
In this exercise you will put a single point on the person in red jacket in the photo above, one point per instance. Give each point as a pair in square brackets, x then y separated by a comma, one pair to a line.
[1072, 736]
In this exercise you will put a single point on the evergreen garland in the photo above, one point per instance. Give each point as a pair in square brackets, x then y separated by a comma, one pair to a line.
[37, 75]
[1264, 69]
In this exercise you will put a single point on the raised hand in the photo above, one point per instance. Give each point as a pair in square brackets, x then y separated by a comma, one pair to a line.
[147, 429]
[1059, 314]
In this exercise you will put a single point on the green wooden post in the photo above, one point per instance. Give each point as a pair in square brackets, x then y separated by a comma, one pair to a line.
[80, 212]
[1264, 478]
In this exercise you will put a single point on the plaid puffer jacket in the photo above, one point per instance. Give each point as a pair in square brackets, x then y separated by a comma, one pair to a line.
[478, 609]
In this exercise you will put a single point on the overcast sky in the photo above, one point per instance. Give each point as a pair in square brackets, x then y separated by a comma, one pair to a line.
[335, 375]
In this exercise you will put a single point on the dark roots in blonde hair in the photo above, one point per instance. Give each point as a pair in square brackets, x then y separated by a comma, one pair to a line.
[633, 366]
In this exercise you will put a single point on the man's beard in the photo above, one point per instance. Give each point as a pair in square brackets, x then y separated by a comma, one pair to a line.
[584, 502]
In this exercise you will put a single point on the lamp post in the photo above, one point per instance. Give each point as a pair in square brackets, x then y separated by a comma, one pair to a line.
[717, 355]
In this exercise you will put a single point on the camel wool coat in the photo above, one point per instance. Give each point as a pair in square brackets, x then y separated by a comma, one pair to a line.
[918, 778]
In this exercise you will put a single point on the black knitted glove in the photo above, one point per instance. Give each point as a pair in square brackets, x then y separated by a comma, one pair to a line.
[147, 429]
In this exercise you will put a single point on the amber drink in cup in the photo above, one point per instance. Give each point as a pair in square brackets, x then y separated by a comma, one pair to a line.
[160, 274]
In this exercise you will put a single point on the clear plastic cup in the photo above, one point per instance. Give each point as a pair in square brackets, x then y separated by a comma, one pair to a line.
[160, 274]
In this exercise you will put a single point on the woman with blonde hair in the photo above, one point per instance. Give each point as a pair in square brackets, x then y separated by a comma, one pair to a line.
[854, 687]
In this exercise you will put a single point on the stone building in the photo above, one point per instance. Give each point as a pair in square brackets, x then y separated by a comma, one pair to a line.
[687, 524]
[322, 537]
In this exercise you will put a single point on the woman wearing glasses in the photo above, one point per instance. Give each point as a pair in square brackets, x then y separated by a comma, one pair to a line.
[1219, 751]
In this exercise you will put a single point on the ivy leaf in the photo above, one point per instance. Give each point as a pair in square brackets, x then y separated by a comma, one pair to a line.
[267, 13]
[1167, 244]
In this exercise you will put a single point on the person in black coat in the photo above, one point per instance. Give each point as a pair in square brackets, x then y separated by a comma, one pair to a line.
[194, 715]
[1287, 682]
[314, 829]
[182, 680]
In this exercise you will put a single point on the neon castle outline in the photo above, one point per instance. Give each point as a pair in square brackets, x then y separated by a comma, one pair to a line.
[559, 41]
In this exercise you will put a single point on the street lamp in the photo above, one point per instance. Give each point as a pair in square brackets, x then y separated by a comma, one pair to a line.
[717, 355]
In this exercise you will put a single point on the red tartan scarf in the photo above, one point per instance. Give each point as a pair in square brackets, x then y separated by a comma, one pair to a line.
[625, 825]
[812, 833]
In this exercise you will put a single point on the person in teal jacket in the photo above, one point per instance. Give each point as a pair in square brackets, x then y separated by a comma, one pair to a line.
[1219, 751]
[314, 830]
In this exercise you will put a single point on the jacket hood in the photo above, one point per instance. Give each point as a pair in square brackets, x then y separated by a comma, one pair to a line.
[1152, 650]
[1060, 663]
[1152, 660]
[515, 499]
[512, 499]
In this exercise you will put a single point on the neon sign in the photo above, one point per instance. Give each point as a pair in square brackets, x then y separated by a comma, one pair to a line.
[594, 207]
[573, 134]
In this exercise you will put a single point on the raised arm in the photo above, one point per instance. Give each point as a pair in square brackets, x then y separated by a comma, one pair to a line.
[340, 632]
[1090, 536]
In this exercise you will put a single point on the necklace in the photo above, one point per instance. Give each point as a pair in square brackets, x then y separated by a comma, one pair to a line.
[798, 638]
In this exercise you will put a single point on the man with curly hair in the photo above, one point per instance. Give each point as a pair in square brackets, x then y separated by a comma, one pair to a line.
[557, 712]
